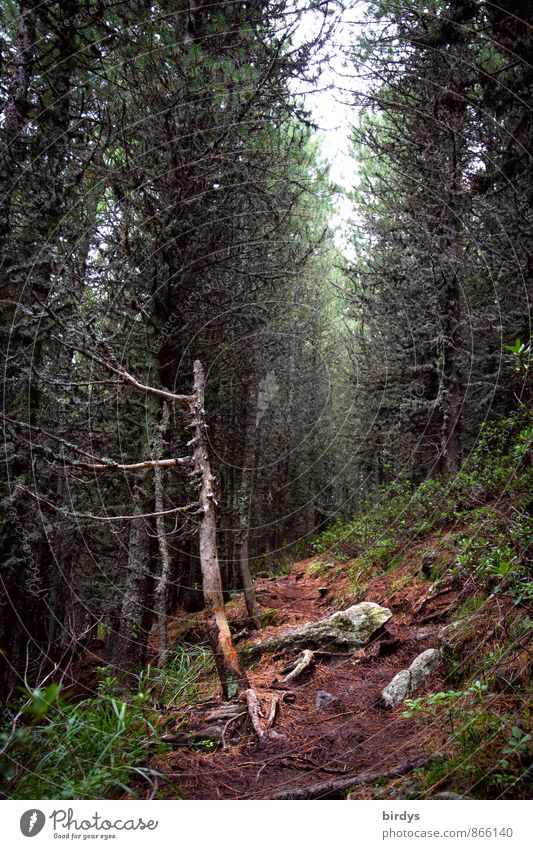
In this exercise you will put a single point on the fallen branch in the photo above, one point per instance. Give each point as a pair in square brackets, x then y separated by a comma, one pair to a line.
[326, 788]
[438, 614]
[304, 661]
[227, 725]
[190, 738]
[431, 596]
[309, 765]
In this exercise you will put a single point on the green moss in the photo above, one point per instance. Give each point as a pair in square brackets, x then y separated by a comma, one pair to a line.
[470, 605]
[269, 617]
[400, 583]
[321, 567]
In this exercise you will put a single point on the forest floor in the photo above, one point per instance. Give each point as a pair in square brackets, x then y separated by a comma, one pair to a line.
[351, 735]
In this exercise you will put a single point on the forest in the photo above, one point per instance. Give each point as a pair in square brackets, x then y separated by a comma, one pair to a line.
[266, 525]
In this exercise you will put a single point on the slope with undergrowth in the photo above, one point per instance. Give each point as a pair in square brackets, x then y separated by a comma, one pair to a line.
[450, 558]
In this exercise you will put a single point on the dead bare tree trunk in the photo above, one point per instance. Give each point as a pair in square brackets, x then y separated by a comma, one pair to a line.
[230, 672]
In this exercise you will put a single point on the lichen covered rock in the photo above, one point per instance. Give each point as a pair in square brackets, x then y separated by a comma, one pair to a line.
[349, 629]
[450, 632]
[411, 679]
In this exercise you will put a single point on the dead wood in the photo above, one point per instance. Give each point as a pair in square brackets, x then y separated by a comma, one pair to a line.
[274, 704]
[431, 596]
[308, 765]
[190, 738]
[255, 713]
[227, 725]
[438, 614]
[304, 661]
[161, 589]
[229, 668]
[229, 710]
[111, 466]
[327, 788]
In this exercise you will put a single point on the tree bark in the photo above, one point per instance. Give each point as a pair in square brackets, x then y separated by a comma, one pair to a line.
[245, 505]
[247, 583]
[230, 672]
[162, 585]
[17, 107]
[127, 645]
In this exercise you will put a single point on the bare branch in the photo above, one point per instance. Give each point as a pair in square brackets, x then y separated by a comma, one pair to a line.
[127, 378]
[75, 515]
[134, 467]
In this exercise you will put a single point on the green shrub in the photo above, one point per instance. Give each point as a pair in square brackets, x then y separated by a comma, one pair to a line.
[98, 747]
[494, 756]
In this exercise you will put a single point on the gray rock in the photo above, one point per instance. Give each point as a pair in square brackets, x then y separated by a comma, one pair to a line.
[422, 634]
[349, 629]
[449, 795]
[411, 679]
[323, 699]
[429, 559]
[447, 633]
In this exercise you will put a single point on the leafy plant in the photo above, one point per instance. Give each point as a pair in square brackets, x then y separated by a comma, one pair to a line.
[206, 746]
[522, 357]
[493, 753]
[517, 745]
[321, 567]
[99, 746]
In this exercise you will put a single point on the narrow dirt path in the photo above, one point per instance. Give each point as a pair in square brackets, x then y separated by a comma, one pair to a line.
[352, 734]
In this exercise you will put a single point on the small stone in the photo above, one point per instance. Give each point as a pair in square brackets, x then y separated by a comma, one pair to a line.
[323, 699]
[449, 795]
[429, 559]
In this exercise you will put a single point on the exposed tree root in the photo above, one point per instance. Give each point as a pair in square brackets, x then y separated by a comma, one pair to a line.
[273, 710]
[262, 726]
[227, 710]
[190, 738]
[220, 719]
[304, 661]
[256, 714]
